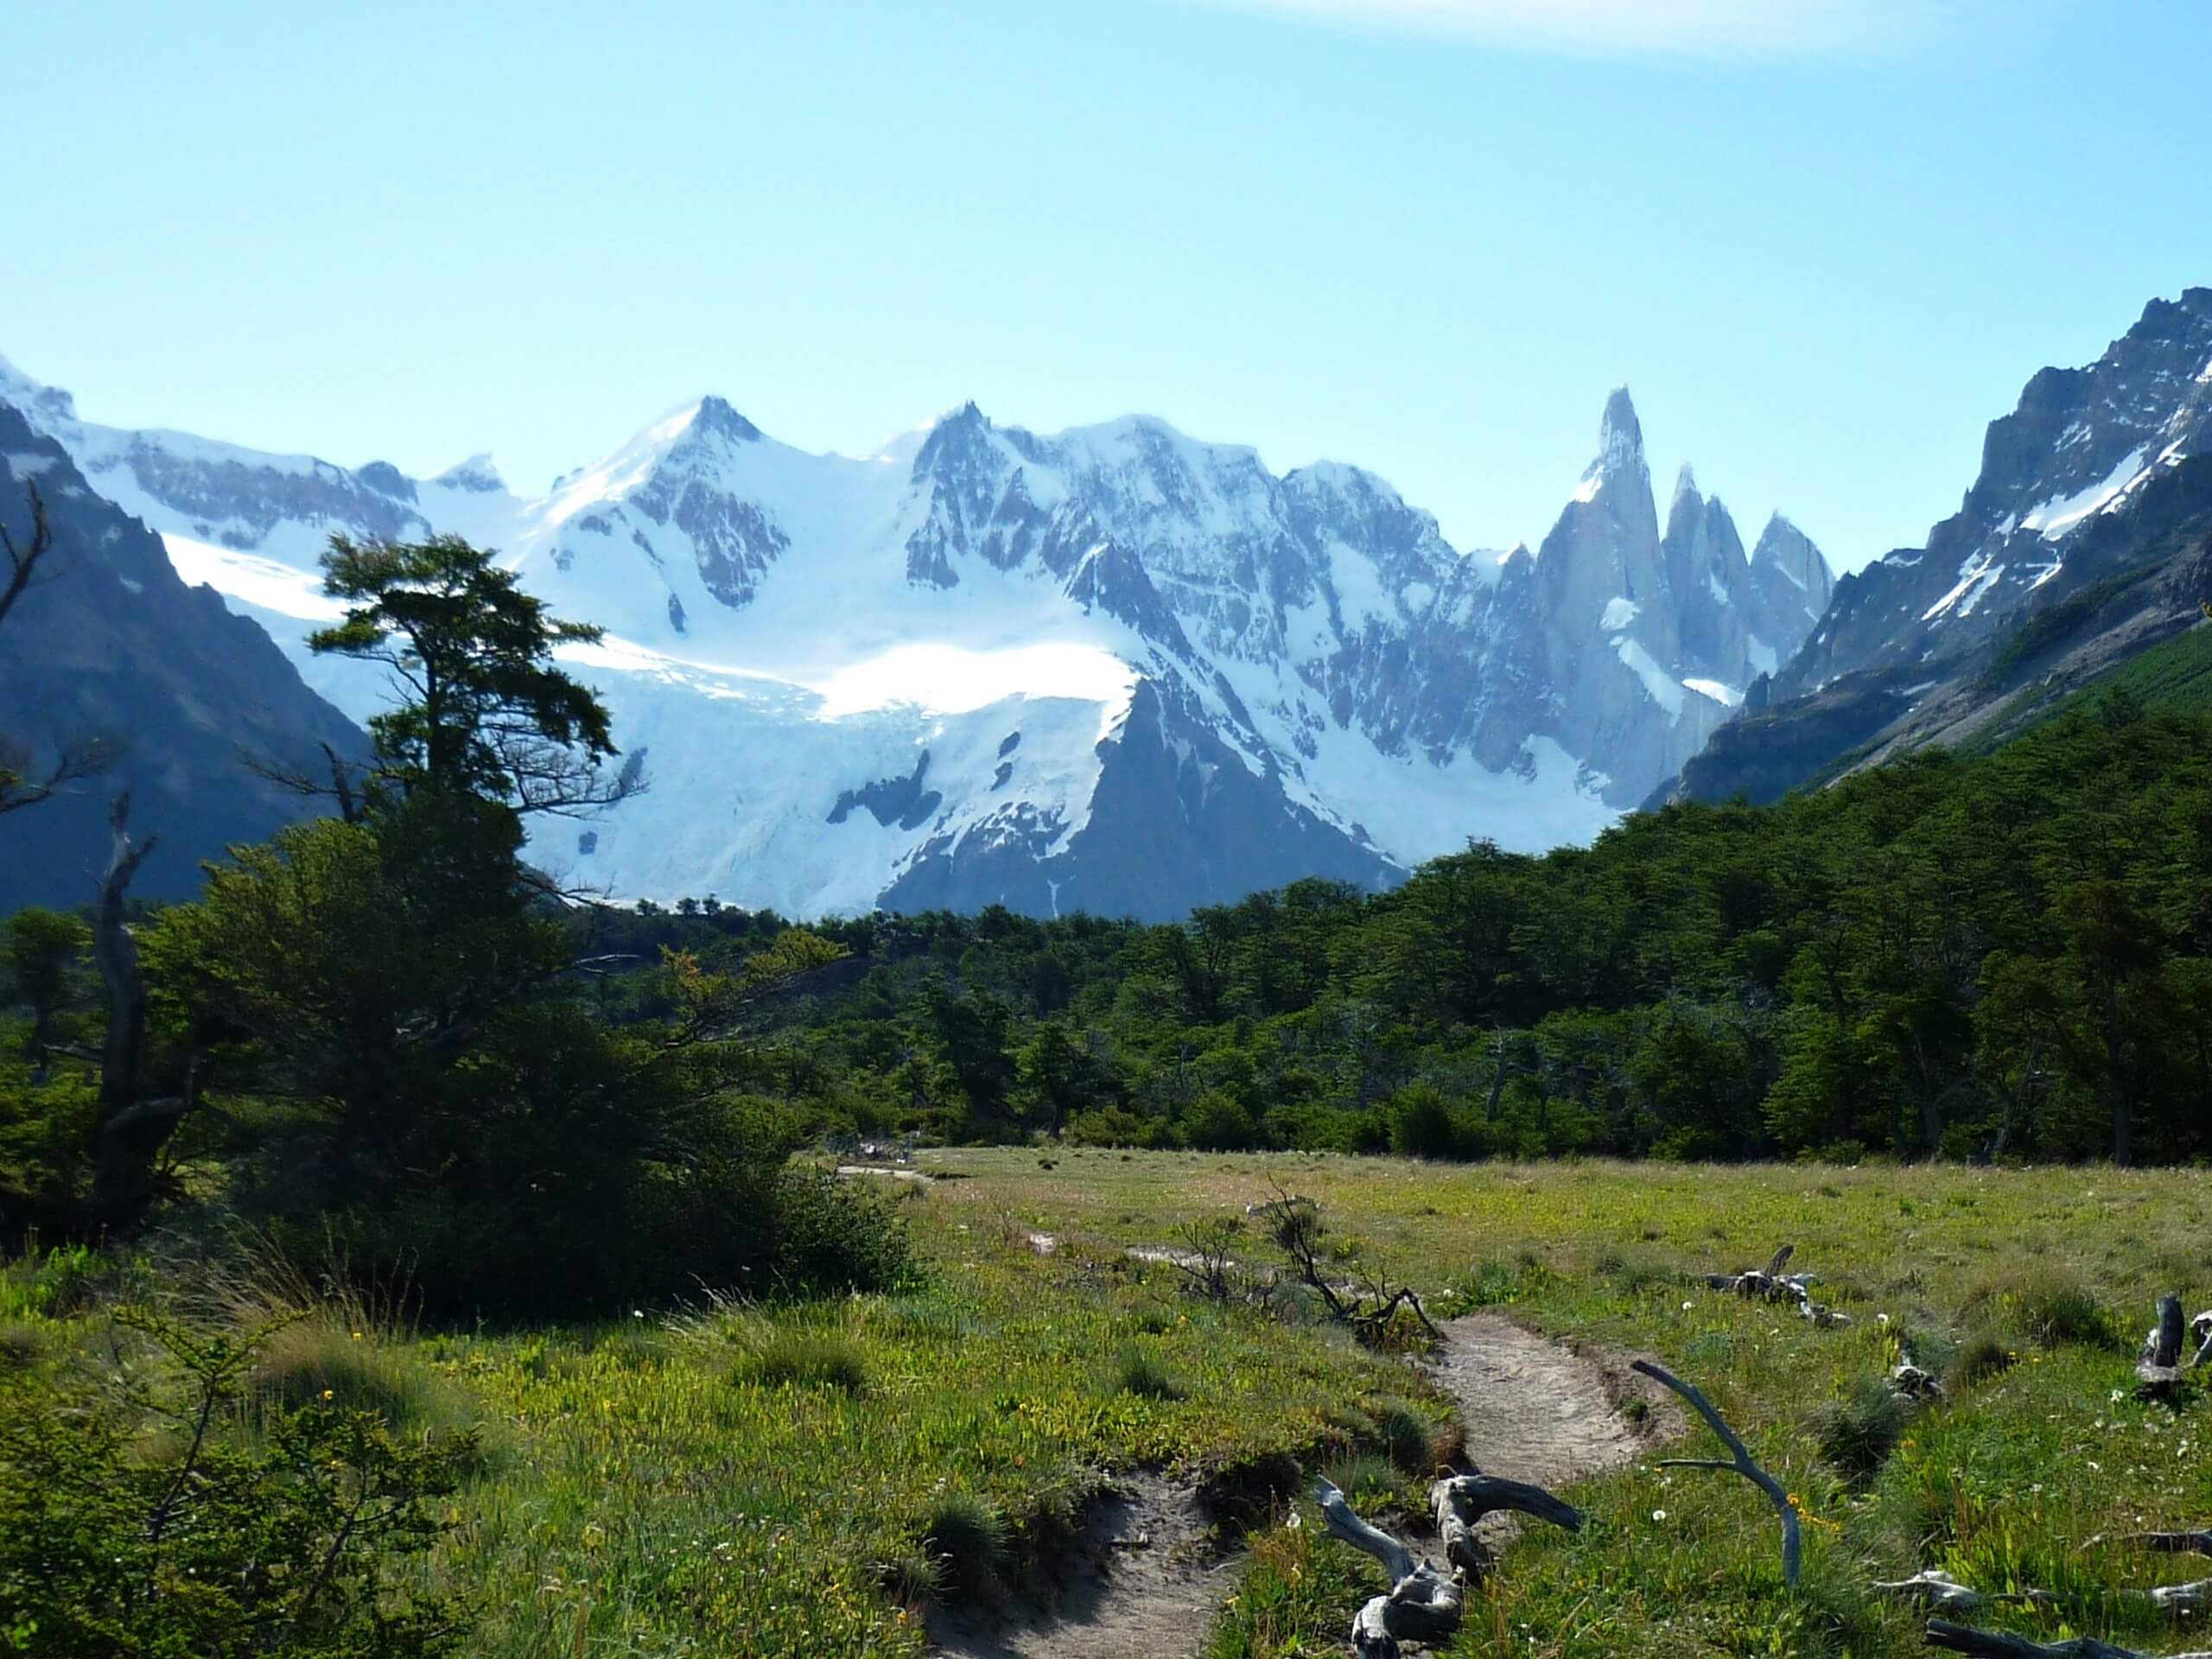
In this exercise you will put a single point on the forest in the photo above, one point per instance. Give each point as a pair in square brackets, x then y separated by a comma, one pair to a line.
[2002, 957]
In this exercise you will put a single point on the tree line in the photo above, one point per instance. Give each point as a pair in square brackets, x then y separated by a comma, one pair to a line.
[2004, 958]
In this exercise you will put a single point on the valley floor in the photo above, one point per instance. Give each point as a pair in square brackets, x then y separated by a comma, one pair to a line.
[736, 1481]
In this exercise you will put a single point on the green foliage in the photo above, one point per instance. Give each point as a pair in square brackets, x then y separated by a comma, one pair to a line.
[487, 714]
[2007, 959]
[297, 1548]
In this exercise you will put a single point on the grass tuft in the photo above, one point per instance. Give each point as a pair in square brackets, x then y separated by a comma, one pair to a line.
[966, 1540]
[1139, 1372]
[806, 1359]
[1407, 1438]
[1858, 1433]
[2050, 1305]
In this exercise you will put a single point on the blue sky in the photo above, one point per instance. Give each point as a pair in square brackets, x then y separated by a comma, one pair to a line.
[1824, 241]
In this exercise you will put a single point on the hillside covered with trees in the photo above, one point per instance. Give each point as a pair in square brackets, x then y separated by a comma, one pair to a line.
[2000, 958]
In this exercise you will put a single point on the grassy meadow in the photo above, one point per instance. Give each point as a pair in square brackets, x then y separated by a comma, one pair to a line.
[749, 1478]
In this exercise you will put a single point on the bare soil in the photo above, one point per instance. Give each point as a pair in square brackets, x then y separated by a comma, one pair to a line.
[1145, 1582]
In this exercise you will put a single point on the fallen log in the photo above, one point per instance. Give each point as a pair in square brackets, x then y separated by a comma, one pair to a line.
[1460, 1501]
[2002, 1645]
[1423, 1604]
[1742, 1463]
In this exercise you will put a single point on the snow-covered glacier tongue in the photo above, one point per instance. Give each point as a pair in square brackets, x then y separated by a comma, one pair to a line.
[1113, 669]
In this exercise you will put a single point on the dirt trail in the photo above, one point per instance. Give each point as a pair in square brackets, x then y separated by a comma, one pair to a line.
[1145, 1582]
[1536, 1410]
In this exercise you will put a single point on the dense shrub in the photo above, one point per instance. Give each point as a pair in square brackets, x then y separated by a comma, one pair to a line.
[113, 1546]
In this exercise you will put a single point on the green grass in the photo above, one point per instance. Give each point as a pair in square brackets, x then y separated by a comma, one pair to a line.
[747, 1480]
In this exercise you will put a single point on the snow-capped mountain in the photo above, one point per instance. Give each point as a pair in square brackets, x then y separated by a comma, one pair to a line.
[1114, 669]
[2098, 474]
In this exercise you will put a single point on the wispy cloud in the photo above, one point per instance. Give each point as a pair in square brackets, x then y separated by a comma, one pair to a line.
[1685, 27]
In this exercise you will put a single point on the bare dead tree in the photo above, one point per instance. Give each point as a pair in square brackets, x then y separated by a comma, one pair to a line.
[134, 1123]
[1368, 1306]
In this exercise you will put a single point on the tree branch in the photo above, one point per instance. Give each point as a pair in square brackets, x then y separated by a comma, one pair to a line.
[1792, 1544]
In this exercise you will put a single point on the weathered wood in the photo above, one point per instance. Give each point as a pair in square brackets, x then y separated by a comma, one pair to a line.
[1792, 1547]
[2002, 1645]
[1461, 1500]
[2159, 1368]
[2200, 1337]
[2175, 1601]
[1932, 1587]
[1910, 1381]
[1423, 1604]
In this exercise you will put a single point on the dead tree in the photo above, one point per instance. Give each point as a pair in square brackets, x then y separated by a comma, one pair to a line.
[133, 1123]
[1368, 1307]
[2002, 1645]
[1739, 1462]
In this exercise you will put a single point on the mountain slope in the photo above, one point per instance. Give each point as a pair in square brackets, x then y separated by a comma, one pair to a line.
[2080, 543]
[1114, 667]
[112, 642]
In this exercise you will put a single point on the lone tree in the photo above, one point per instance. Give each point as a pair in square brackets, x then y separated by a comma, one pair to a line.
[485, 711]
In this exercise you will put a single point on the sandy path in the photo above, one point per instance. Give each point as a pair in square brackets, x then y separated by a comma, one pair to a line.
[1536, 1410]
[1146, 1582]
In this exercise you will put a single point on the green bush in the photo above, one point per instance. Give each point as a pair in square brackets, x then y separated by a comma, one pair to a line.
[117, 1546]
[1421, 1125]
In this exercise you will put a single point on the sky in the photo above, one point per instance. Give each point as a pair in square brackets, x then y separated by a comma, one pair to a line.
[1824, 241]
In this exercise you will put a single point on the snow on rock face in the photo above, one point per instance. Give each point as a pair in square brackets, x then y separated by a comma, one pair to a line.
[1114, 667]
[2080, 445]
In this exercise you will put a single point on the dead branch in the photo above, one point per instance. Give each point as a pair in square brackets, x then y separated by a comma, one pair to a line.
[1743, 1465]
[1423, 1604]
[2173, 1543]
[23, 559]
[1461, 1500]
[1935, 1588]
[2002, 1645]
[1771, 1284]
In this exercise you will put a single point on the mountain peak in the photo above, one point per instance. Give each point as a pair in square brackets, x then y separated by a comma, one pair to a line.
[477, 475]
[715, 415]
[1620, 435]
[1685, 484]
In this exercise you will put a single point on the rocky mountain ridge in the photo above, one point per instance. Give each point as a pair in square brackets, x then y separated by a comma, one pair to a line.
[2081, 541]
[1144, 671]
